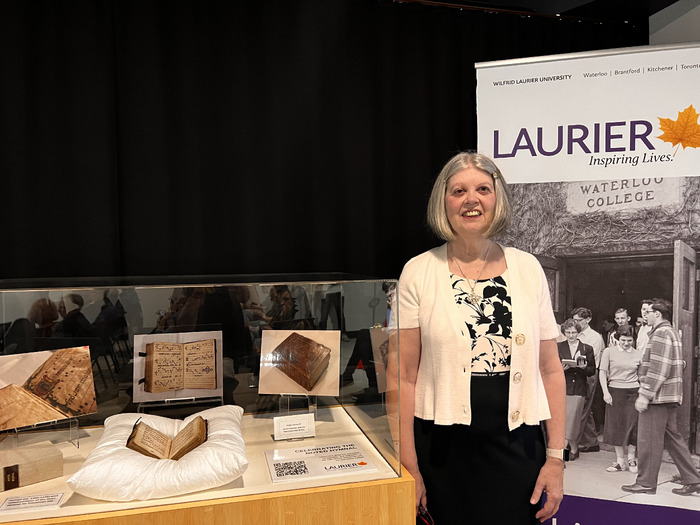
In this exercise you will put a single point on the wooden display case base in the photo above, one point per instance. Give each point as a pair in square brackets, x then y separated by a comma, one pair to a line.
[376, 497]
[388, 502]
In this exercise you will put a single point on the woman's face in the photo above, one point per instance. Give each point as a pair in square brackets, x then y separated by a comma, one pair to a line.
[625, 342]
[571, 335]
[470, 201]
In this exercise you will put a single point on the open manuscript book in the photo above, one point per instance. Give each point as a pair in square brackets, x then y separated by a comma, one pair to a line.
[151, 442]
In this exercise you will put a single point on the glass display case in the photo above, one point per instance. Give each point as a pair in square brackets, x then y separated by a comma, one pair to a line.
[255, 329]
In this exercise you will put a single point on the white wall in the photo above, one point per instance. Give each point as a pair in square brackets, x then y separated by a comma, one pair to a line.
[677, 23]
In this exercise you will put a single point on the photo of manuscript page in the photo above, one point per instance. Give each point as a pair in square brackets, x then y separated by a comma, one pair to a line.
[164, 366]
[46, 386]
[203, 369]
[200, 364]
[65, 381]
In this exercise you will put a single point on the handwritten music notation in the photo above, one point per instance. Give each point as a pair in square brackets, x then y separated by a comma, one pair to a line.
[65, 381]
[176, 366]
[194, 359]
[169, 361]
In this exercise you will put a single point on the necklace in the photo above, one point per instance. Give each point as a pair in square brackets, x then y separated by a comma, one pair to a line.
[473, 297]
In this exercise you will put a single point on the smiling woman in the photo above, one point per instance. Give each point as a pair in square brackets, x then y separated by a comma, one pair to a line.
[437, 218]
[470, 201]
[479, 366]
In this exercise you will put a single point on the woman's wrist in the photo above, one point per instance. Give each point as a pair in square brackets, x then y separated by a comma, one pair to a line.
[555, 444]
[554, 460]
[410, 464]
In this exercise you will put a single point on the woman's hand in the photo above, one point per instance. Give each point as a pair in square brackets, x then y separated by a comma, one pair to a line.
[551, 478]
[607, 398]
[421, 498]
[550, 481]
[407, 375]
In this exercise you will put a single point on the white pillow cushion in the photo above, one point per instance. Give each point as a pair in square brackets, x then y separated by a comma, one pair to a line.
[115, 473]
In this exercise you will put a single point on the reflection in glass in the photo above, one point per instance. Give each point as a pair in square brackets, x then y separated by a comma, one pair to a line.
[107, 319]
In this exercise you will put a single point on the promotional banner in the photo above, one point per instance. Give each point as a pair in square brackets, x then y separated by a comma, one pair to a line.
[605, 150]
[621, 114]
[583, 511]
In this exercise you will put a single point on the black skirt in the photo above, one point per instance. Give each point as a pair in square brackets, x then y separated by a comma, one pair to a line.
[481, 473]
[621, 417]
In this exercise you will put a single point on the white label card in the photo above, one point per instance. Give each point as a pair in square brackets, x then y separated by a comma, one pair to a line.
[293, 427]
[33, 502]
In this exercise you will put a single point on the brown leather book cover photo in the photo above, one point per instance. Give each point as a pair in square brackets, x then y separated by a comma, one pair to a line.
[300, 362]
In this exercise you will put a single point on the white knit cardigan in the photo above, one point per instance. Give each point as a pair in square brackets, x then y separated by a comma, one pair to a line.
[426, 301]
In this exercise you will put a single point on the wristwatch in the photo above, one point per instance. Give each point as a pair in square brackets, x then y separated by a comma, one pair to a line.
[559, 453]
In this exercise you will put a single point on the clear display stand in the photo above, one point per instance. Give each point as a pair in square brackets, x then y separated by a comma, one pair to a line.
[297, 417]
[297, 402]
[25, 435]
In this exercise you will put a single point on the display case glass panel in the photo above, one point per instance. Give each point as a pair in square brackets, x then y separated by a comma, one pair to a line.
[245, 334]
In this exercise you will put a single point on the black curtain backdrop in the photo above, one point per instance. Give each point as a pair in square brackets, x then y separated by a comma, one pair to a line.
[205, 137]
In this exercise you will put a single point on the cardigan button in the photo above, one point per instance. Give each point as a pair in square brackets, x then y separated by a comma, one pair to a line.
[520, 339]
[517, 377]
[515, 415]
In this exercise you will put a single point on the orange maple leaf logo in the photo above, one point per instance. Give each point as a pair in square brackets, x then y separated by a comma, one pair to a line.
[684, 131]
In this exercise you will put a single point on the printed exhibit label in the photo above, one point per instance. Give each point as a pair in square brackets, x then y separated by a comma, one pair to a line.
[293, 427]
[293, 464]
[33, 502]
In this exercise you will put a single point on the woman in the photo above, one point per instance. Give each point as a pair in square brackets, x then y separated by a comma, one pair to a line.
[578, 361]
[620, 384]
[479, 367]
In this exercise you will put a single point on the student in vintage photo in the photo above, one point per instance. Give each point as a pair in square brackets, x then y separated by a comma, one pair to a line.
[588, 440]
[644, 328]
[576, 374]
[620, 383]
[622, 318]
[660, 395]
[479, 368]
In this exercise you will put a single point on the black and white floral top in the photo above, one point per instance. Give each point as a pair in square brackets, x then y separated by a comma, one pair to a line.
[488, 323]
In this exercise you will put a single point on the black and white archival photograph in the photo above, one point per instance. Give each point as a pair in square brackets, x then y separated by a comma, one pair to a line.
[612, 251]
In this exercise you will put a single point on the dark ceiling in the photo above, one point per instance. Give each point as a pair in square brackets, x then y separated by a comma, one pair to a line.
[621, 11]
